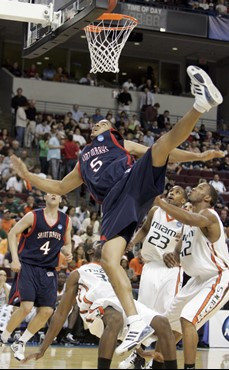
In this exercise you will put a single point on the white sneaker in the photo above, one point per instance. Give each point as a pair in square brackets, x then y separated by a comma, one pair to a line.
[137, 333]
[129, 362]
[19, 350]
[206, 94]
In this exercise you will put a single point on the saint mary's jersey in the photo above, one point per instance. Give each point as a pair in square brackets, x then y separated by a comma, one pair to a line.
[42, 244]
[162, 236]
[93, 285]
[200, 257]
[103, 163]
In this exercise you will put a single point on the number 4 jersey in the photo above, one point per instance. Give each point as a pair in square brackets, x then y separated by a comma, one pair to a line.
[162, 236]
[42, 244]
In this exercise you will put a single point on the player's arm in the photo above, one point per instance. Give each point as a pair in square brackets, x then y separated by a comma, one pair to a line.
[135, 149]
[70, 182]
[173, 259]
[201, 220]
[67, 248]
[178, 155]
[25, 223]
[67, 302]
[143, 231]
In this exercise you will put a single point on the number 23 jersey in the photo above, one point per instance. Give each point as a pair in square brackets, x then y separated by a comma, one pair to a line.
[42, 244]
[162, 236]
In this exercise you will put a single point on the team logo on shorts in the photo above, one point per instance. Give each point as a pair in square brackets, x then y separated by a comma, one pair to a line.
[60, 227]
[225, 329]
[179, 224]
[100, 138]
[50, 274]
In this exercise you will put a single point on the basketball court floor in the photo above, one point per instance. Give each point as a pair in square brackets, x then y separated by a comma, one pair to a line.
[86, 358]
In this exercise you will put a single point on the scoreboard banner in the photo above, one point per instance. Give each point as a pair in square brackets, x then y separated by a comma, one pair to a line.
[150, 18]
[219, 330]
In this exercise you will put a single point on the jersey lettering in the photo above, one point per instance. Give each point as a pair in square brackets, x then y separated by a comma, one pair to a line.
[162, 241]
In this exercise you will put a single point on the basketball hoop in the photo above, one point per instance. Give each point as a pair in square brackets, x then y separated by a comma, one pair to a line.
[106, 38]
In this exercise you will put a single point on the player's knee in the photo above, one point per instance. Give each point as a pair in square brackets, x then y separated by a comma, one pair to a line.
[185, 323]
[161, 326]
[26, 307]
[115, 322]
[46, 312]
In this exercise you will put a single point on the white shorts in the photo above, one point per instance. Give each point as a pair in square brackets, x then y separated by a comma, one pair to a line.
[199, 300]
[159, 285]
[97, 327]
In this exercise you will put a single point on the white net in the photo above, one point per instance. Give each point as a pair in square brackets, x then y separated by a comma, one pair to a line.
[106, 40]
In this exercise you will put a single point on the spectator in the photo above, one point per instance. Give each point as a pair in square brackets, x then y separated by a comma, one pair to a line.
[30, 205]
[31, 126]
[21, 124]
[129, 271]
[32, 72]
[193, 147]
[79, 256]
[133, 123]
[16, 182]
[93, 221]
[90, 235]
[146, 104]
[60, 76]
[218, 185]
[44, 147]
[49, 72]
[16, 70]
[224, 217]
[163, 119]
[29, 162]
[18, 100]
[42, 129]
[221, 8]
[97, 116]
[5, 136]
[4, 168]
[82, 211]
[137, 265]
[12, 205]
[78, 138]
[225, 164]
[4, 289]
[76, 114]
[71, 151]
[54, 154]
[3, 249]
[124, 100]
[129, 85]
[7, 221]
[71, 212]
[148, 139]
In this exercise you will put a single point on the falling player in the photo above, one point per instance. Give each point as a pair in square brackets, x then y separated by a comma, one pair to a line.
[203, 255]
[102, 313]
[44, 232]
[158, 285]
[127, 191]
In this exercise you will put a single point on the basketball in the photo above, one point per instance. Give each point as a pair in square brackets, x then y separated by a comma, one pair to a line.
[112, 5]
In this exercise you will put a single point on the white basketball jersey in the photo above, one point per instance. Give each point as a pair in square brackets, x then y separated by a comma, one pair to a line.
[162, 236]
[200, 257]
[93, 284]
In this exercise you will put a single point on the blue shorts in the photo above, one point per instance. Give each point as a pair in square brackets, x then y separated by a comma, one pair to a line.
[126, 205]
[34, 284]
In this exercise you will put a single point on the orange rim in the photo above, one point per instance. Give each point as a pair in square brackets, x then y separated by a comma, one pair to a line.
[112, 17]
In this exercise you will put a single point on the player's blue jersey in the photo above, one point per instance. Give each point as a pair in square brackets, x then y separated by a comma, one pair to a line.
[103, 163]
[42, 244]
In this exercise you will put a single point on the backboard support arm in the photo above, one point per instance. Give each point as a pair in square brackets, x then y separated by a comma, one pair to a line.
[26, 12]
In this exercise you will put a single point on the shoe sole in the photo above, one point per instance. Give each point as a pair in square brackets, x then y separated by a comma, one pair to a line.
[200, 77]
[17, 357]
[134, 345]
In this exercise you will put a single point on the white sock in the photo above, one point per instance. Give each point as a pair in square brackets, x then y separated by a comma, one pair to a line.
[199, 108]
[26, 336]
[132, 319]
[5, 336]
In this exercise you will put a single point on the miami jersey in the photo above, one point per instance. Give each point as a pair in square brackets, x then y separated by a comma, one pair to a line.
[162, 236]
[42, 244]
[200, 257]
[93, 285]
[103, 163]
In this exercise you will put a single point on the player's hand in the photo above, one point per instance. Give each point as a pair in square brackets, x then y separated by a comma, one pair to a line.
[15, 266]
[68, 257]
[33, 356]
[19, 167]
[211, 154]
[158, 201]
[170, 260]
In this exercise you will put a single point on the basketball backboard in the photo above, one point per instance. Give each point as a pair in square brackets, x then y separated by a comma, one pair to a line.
[73, 16]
